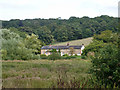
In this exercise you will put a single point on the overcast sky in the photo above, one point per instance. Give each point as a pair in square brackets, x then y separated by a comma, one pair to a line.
[29, 9]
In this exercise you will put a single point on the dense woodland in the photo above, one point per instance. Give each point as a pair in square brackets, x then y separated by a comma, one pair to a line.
[59, 30]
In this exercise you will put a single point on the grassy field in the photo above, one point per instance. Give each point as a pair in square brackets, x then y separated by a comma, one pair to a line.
[85, 41]
[45, 73]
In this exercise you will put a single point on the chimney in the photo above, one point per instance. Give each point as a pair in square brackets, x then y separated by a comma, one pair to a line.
[82, 44]
[68, 44]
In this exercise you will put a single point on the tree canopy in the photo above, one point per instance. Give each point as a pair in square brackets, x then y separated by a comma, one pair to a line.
[59, 30]
[15, 47]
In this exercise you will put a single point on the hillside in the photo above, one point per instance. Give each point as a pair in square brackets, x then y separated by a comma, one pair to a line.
[85, 41]
[62, 30]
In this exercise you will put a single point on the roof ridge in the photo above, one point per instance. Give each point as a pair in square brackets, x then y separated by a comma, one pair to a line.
[61, 47]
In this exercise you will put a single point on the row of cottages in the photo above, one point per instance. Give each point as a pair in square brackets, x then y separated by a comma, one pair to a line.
[63, 49]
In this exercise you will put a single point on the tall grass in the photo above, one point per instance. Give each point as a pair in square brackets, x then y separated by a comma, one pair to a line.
[45, 73]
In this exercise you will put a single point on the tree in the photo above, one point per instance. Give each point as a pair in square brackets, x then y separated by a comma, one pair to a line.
[106, 66]
[107, 36]
[45, 35]
[50, 30]
[71, 51]
[101, 40]
[93, 46]
[55, 55]
[32, 42]
[61, 34]
[13, 47]
[7, 34]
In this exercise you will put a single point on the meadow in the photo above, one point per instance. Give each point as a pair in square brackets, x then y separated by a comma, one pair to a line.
[85, 41]
[46, 74]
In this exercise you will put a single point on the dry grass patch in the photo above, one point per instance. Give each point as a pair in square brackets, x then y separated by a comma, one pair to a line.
[85, 41]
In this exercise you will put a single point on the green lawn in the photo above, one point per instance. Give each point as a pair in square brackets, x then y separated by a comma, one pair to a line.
[43, 73]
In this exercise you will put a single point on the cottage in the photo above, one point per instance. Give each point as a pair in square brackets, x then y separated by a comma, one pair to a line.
[63, 49]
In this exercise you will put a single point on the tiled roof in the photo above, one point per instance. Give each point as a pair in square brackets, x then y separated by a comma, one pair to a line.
[61, 47]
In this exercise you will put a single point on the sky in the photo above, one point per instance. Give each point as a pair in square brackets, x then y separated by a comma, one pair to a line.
[30, 9]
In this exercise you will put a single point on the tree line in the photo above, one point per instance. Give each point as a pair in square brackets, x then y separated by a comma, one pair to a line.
[60, 30]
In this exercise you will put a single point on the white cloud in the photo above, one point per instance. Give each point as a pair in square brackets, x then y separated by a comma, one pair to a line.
[22, 9]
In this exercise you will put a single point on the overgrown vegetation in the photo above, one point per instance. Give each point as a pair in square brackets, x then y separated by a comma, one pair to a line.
[104, 53]
[101, 40]
[55, 55]
[106, 66]
[43, 73]
[15, 47]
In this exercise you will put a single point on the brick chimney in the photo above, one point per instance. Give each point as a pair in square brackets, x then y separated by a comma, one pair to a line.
[68, 44]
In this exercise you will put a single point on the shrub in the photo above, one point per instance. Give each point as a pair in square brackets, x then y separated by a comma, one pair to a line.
[54, 56]
[68, 57]
[106, 66]
[36, 57]
[15, 47]
[72, 57]
[43, 56]
[83, 57]
[76, 55]
[65, 55]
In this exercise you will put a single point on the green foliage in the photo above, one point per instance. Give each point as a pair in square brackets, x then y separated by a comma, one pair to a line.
[107, 36]
[101, 41]
[105, 60]
[94, 47]
[83, 57]
[106, 66]
[15, 47]
[32, 42]
[69, 57]
[65, 55]
[55, 55]
[7, 34]
[14, 51]
[50, 30]
[20, 33]
[43, 56]
[71, 51]
[53, 51]
[44, 35]
[76, 55]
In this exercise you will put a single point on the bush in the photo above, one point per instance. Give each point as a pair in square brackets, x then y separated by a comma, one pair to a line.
[54, 56]
[76, 55]
[65, 55]
[36, 57]
[83, 57]
[15, 47]
[106, 66]
[72, 57]
[43, 56]
[68, 57]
